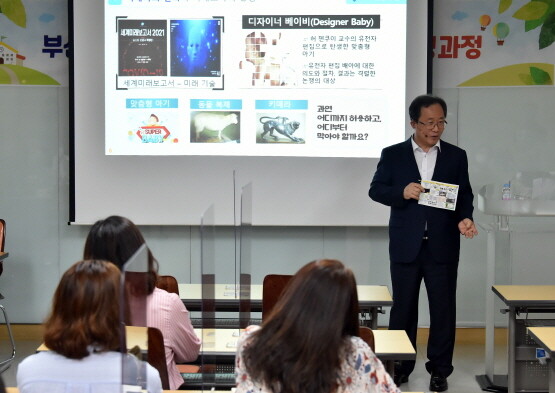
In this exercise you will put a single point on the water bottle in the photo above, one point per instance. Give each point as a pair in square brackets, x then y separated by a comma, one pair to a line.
[506, 193]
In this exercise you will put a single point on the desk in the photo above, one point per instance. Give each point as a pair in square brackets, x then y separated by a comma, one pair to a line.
[370, 297]
[215, 342]
[545, 336]
[522, 298]
[16, 390]
[4, 255]
[220, 345]
[135, 336]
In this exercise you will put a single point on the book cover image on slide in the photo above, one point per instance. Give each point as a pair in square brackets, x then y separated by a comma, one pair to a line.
[195, 47]
[142, 47]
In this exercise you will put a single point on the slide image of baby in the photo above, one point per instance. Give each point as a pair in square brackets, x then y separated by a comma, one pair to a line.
[151, 130]
[266, 60]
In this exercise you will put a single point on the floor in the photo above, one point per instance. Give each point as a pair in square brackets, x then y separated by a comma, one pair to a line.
[468, 362]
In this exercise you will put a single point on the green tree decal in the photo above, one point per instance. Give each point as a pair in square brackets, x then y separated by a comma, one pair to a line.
[504, 5]
[536, 13]
[14, 11]
[547, 33]
[540, 77]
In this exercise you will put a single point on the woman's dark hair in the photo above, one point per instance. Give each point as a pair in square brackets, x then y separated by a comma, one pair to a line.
[424, 101]
[116, 239]
[301, 345]
[85, 310]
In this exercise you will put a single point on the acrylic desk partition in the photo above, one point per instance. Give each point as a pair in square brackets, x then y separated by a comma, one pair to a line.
[531, 196]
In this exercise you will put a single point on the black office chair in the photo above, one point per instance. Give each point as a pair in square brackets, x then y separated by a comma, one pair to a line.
[5, 364]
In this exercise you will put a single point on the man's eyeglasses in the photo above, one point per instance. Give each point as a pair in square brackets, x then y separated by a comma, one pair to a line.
[430, 125]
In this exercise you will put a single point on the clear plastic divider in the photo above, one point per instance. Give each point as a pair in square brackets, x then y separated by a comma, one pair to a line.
[245, 257]
[209, 357]
[135, 281]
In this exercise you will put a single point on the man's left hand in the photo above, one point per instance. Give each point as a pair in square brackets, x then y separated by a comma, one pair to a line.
[467, 228]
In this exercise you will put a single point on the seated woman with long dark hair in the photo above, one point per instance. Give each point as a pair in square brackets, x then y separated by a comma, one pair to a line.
[116, 239]
[309, 343]
[82, 334]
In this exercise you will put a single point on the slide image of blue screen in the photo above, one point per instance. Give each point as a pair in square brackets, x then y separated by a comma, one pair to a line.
[195, 47]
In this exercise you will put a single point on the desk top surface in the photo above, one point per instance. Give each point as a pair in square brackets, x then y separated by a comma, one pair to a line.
[4, 255]
[544, 336]
[375, 294]
[525, 295]
[16, 390]
[393, 344]
[390, 344]
[135, 335]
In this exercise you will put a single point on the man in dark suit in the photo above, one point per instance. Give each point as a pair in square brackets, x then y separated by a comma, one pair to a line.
[424, 241]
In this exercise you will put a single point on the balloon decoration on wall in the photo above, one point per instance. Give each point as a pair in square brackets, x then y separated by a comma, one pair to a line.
[501, 31]
[485, 20]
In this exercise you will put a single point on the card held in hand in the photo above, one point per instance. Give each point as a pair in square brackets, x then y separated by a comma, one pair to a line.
[440, 195]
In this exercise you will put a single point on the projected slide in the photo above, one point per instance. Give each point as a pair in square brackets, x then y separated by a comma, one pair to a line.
[310, 78]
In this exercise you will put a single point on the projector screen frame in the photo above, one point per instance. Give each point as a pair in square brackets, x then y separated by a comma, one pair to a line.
[346, 196]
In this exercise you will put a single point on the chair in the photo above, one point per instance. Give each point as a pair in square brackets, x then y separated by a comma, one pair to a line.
[5, 364]
[272, 287]
[168, 284]
[367, 336]
[157, 355]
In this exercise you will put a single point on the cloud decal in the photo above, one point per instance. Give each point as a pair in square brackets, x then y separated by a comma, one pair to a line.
[46, 18]
[459, 15]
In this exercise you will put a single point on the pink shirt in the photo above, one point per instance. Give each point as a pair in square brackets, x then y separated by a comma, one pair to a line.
[167, 312]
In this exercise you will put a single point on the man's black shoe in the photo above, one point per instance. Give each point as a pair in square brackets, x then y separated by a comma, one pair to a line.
[400, 378]
[438, 383]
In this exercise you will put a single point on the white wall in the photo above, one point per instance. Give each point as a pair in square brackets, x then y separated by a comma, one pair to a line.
[504, 130]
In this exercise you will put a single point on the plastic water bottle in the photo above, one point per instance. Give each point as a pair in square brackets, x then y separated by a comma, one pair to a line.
[506, 193]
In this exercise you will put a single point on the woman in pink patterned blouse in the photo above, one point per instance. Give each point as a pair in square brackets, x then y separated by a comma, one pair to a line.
[116, 239]
[309, 343]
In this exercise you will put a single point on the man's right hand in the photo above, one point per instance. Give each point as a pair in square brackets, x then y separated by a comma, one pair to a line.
[412, 191]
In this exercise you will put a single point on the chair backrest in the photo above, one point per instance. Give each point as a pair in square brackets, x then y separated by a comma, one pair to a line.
[168, 284]
[367, 335]
[2, 234]
[157, 355]
[272, 288]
